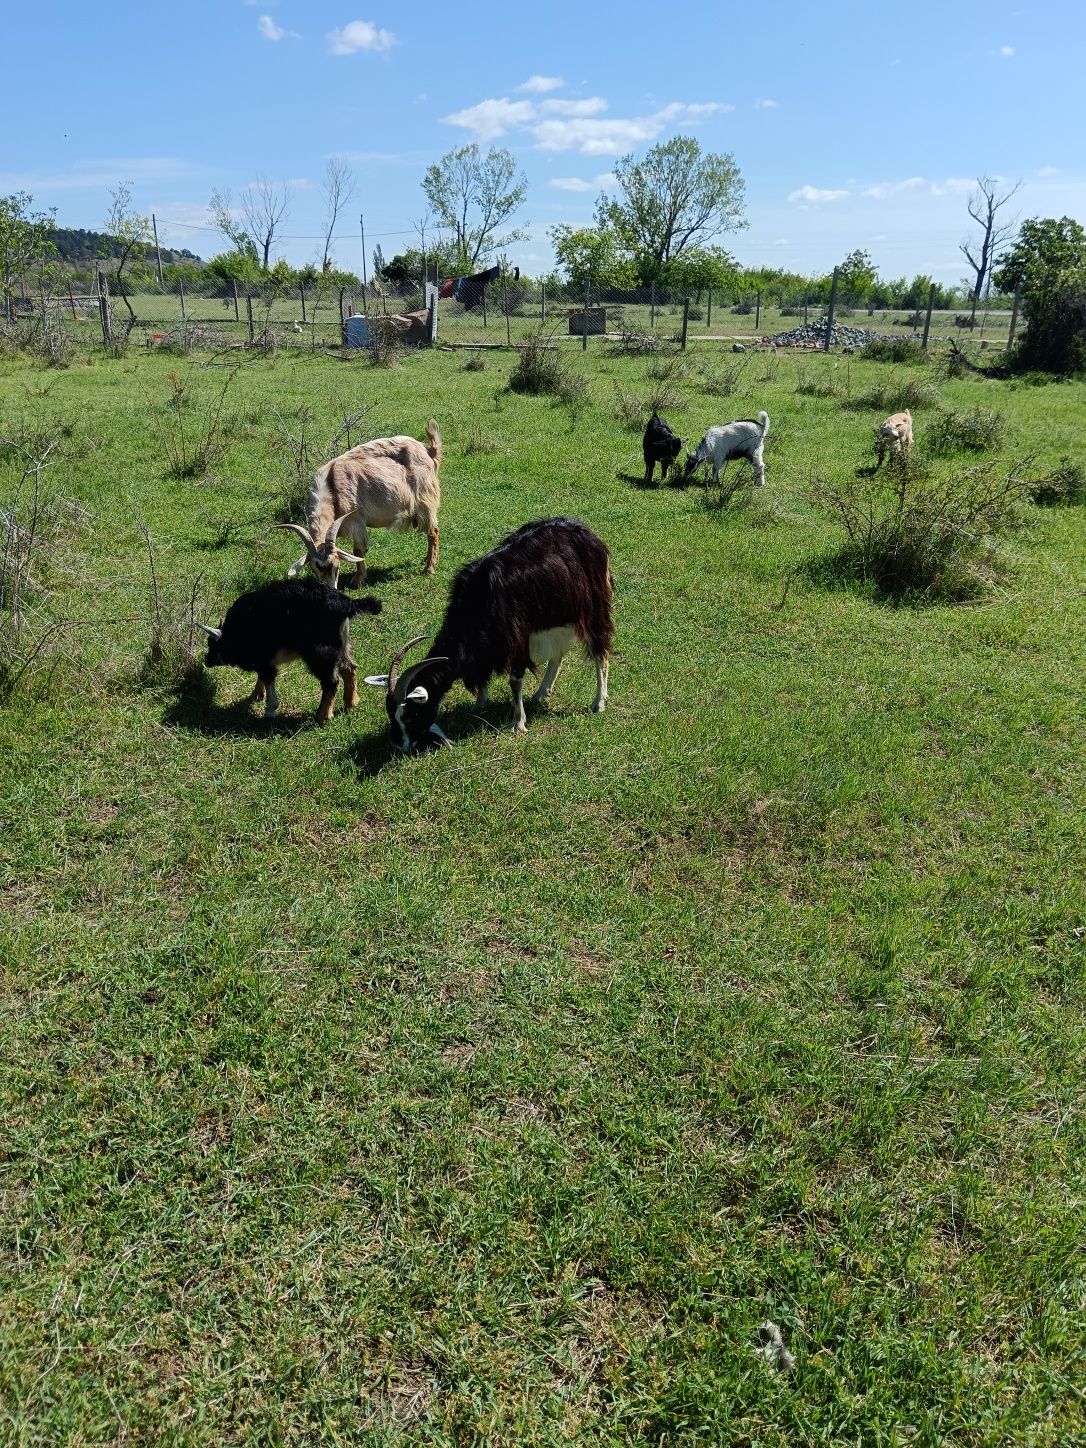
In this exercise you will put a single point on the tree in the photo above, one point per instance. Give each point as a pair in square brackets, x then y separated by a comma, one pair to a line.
[1047, 264]
[698, 268]
[473, 195]
[128, 227]
[673, 199]
[220, 211]
[337, 189]
[984, 207]
[263, 206]
[592, 255]
[856, 276]
[405, 268]
[24, 240]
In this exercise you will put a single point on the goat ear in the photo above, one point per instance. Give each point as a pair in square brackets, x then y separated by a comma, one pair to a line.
[418, 696]
[377, 681]
[296, 568]
[213, 633]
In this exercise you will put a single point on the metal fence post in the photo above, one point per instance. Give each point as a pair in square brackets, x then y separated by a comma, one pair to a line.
[542, 301]
[237, 309]
[584, 321]
[757, 311]
[829, 315]
[927, 319]
[709, 311]
[1014, 316]
[505, 307]
[686, 319]
[103, 308]
[301, 293]
[181, 294]
[652, 308]
[249, 316]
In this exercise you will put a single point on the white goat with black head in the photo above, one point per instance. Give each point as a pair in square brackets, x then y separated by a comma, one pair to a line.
[742, 439]
[391, 482]
[522, 606]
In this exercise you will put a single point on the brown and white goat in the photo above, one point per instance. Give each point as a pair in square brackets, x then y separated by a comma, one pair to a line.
[895, 436]
[391, 482]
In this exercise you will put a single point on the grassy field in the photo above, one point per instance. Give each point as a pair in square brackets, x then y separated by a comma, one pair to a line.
[498, 1095]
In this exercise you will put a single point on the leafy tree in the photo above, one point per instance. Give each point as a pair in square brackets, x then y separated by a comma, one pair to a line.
[405, 268]
[130, 229]
[474, 195]
[593, 255]
[378, 262]
[24, 241]
[856, 275]
[984, 207]
[675, 198]
[1048, 264]
[700, 267]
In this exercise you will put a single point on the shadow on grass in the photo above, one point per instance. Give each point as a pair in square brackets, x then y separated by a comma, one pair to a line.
[637, 480]
[378, 573]
[193, 708]
[367, 754]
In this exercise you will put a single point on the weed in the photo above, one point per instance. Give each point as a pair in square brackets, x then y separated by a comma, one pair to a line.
[171, 658]
[478, 442]
[474, 362]
[895, 394]
[1064, 486]
[894, 349]
[191, 438]
[722, 381]
[979, 430]
[671, 368]
[28, 529]
[539, 369]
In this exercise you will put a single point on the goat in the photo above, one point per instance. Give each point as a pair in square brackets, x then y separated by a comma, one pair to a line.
[659, 445]
[291, 619]
[391, 482]
[522, 606]
[742, 439]
[895, 436]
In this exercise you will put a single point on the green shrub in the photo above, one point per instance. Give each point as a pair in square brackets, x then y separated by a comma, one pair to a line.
[895, 394]
[1066, 486]
[917, 536]
[541, 370]
[979, 430]
[475, 362]
[894, 349]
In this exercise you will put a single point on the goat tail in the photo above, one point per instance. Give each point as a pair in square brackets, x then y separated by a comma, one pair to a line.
[433, 435]
[763, 422]
[366, 604]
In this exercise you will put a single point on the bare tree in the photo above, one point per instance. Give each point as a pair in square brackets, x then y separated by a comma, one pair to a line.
[265, 205]
[337, 189]
[127, 226]
[473, 195]
[984, 207]
[220, 211]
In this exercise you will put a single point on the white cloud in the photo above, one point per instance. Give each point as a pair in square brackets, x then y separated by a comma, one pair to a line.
[359, 35]
[541, 84]
[1006, 51]
[884, 190]
[84, 175]
[1049, 171]
[610, 137]
[603, 182]
[781, 241]
[492, 118]
[270, 31]
[590, 107]
[765, 105]
[952, 186]
[812, 195]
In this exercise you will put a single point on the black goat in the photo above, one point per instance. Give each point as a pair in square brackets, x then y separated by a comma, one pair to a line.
[295, 618]
[660, 445]
[524, 605]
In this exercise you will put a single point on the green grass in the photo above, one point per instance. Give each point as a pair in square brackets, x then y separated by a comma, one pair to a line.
[499, 1095]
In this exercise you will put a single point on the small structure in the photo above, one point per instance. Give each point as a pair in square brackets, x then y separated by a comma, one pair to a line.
[597, 322]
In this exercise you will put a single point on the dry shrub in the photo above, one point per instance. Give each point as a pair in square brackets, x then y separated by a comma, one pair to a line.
[669, 368]
[894, 349]
[636, 344]
[30, 523]
[1065, 486]
[918, 536]
[184, 337]
[541, 370]
[722, 381]
[172, 656]
[192, 432]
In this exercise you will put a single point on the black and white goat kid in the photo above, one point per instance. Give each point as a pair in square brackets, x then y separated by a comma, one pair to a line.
[742, 439]
[295, 618]
[523, 606]
[660, 445]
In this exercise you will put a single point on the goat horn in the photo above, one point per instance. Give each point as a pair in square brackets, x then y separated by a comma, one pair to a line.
[397, 660]
[338, 523]
[414, 671]
[303, 533]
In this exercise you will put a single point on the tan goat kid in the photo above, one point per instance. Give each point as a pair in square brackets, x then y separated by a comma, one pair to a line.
[391, 482]
[895, 436]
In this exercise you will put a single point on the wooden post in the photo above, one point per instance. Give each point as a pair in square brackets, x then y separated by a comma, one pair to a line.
[301, 293]
[829, 315]
[757, 312]
[584, 321]
[483, 289]
[686, 319]
[505, 304]
[237, 309]
[181, 294]
[652, 308]
[249, 317]
[927, 319]
[542, 301]
[804, 311]
[103, 308]
[341, 291]
[1014, 316]
[158, 253]
[709, 311]
[71, 300]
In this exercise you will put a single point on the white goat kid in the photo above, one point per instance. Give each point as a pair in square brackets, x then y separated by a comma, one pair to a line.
[895, 436]
[742, 439]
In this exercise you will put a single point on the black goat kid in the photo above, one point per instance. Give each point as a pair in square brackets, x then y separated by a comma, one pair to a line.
[523, 606]
[659, 445]
[295, 618]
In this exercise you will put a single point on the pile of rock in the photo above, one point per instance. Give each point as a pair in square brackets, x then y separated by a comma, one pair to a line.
[813, 335]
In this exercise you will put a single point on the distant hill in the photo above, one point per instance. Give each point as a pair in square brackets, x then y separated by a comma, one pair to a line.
[79, 247]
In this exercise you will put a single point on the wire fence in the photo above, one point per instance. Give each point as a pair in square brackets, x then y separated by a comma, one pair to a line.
[202, 310]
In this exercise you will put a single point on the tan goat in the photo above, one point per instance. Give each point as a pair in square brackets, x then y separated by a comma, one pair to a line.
[895, 436]
[391, 482]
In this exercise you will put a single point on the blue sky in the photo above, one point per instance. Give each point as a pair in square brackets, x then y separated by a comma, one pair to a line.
[854, 125]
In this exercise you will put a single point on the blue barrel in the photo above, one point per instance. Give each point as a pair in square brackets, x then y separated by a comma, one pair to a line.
[357, 332]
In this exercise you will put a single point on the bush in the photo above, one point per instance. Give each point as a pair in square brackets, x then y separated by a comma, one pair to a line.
[1065, 487]
[891, 396]
[172, 650]
[541, 369]
[915, 536]
[894, 349]
[30, 524]
[977, 431]
[475, 362]
[743, 309]
[724, 381]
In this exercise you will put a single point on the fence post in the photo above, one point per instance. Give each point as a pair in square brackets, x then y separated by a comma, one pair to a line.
[652, 308]
[103, 308]
[829, 315]
[686, 319]
[757, 312]
[709, 311]
[71, 300]
[1014, 316]
[237, 309]
[181, 294]
[584, 320]
[249, 316]
[158, 253]
[927, 319]
[341, 291]
[430, 290]
[301, 293]
[484, 305]
[804, 311]
[505, 307]
[542, 301]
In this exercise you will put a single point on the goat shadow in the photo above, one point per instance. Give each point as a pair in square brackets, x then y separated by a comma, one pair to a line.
[637, 480]
[375, 573]
[194, 709]
[367, 754]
